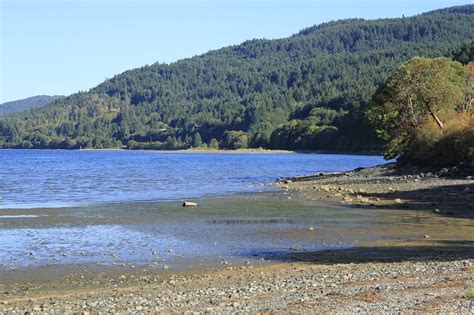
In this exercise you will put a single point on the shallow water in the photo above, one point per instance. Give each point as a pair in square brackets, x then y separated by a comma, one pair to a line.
[122, 208]
[230, 229]
[233, 229]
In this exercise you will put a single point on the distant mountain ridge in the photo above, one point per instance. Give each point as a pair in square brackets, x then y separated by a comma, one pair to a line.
[27, 103]
[306, 91]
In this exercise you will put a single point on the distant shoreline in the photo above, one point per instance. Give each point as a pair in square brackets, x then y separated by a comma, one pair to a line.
[219, 151]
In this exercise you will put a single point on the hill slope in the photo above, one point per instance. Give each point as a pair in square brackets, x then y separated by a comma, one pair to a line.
[307, 91]
[27, 103]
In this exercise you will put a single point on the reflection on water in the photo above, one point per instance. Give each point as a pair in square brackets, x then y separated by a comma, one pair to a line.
[103, 244]
[18, 216]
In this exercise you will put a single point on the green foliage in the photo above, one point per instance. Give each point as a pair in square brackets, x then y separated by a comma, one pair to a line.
[307, 91]
[424, 112]
[197, 140]
[235, 140]
[463, 54]
[469, 294]
[214, 144]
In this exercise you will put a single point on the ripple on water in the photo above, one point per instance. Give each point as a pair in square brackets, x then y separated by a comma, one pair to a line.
[103, 244]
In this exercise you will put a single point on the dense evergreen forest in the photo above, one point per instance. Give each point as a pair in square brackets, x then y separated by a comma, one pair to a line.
[27, 103]
[307, 91]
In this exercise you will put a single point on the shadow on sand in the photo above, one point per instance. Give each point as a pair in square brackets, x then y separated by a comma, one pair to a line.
[447, 250]
[450, 200]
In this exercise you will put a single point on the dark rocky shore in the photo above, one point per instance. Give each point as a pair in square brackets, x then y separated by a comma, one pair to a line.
[447, 191]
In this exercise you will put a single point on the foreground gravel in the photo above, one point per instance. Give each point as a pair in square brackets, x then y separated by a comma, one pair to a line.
[425, 286]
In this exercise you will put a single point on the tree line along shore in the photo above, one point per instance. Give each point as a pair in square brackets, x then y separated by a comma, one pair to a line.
[324, 88]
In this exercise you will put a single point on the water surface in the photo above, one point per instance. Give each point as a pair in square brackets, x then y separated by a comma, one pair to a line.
[123, 208]
[46, 178]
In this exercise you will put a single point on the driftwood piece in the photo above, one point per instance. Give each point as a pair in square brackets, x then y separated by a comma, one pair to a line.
[189, 204]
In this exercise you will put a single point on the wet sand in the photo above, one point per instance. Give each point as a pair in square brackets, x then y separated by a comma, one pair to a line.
[412, 254]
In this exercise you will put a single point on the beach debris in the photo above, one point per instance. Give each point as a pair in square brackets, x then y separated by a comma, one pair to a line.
[165, 267]
[189, 204]
[153, 252]
[65, 254]
[398, 200]
[311, 228]
[348, 199]
[426, 236]
[437, 211]
[114, 255]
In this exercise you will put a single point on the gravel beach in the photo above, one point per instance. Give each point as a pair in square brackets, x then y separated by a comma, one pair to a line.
[432, 273]
[427, 285]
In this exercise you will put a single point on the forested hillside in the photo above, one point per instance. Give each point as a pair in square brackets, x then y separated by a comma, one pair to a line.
[307, 91]
[27, 103]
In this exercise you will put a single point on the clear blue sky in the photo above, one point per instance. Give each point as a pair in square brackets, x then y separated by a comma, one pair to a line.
[61, 47]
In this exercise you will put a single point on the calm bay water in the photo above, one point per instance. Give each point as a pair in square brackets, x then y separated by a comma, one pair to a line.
[122, 208]
[36, 178]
